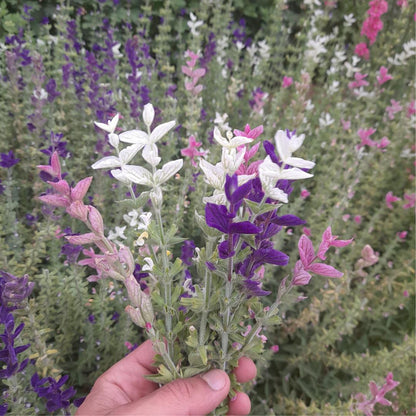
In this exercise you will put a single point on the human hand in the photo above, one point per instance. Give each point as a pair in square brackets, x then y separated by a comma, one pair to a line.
[123, 390]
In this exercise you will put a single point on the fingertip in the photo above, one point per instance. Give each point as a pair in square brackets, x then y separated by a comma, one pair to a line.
[246, 370]
[240, 406]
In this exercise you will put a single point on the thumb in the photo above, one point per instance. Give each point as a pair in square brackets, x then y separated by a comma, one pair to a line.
[198, 395]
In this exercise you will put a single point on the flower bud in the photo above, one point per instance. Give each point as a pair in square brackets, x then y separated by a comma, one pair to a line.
[156, 196]
[78, 210]
[96, 220]
[133, 291]
[148, 114]
[135, 316]
[146, 308]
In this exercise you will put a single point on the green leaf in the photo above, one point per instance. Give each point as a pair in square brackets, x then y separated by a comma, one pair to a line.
[193, 371]
[203, 354]
[176, 268]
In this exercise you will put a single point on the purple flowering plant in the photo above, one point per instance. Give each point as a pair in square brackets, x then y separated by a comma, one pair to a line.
[204, 308]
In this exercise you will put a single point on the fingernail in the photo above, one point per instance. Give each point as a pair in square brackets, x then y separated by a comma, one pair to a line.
[216, 379]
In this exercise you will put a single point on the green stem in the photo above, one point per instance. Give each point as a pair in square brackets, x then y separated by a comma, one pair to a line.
[226, 322]
[167, 285]
[207, 293]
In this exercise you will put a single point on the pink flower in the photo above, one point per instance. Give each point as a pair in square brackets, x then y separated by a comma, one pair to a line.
[304, 193]
[346, 217]
[194, 73]
[377, 7]
[383, 76]
[329, 240]
[275, 348]
[287, 82]
[357, 219]
[54, 169]
[306, 264]
[128, 345]
[402, 3]
[365, 137]
[366, 405]
[412, 200]
[194, 57]
[307, 231]
[359, 81]
[406, 293]
[371, 26]
[191, 151]
[402, 235]
[250, 133]
[391, 198]
[411, 109]
[383, 143]
[393, 109]
[362, 50]
[346, 124]
[300, 276]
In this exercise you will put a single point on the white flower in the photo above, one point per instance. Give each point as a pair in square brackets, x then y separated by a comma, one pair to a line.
[285, 147]
[325, 120]
[220, 120]
[149, 264]
[214, 175]
[264, 50]
[349, 19]
[270, 170]
[116, 50]
[117, 233]
[230, 142]
[124, 157]
[131, 218]
[146, 141]
[40, 95]
[110, 126]
[193, 24]
[239, 45]
[334, 87]
[315, 47]
[145, 220]
[148, 114]
[309, 105]
[142, 176]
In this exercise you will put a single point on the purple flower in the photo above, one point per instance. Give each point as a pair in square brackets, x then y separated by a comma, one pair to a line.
[45, 20]
[8, 355]
[217, 216]
[71, 252]
[139, 276]
[50, 88]
[14, 290]
[8, 160]
[51, 391]
[187, 252]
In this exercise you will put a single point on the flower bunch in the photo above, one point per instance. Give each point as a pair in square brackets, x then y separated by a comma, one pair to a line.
[203, 311]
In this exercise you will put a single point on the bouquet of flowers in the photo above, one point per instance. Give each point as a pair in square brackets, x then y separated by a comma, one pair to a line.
[208, 305]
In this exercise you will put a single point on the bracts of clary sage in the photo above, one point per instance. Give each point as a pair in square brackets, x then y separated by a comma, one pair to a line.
[208, 310]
